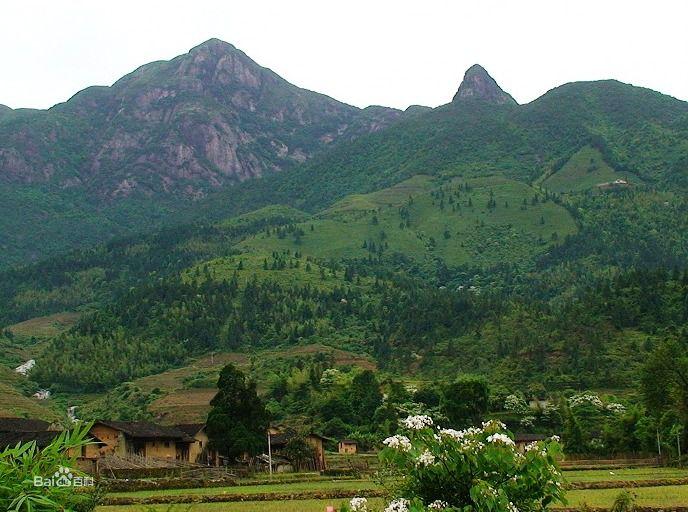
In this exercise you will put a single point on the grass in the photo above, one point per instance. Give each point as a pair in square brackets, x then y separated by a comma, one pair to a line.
[666, 496]
[298, 271]
[443, 221]
[45, 326]
[584, 170]
[14, 403]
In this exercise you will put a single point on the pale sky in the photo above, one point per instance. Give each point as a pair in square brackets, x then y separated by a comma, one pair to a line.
[393, 53]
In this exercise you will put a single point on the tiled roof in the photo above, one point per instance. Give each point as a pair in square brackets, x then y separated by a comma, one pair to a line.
[528, 438]
[146, 430]
[22, 425]
[42, 438]
[191, 429]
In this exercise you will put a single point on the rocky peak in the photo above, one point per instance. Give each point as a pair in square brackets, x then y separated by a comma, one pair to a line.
[477, 84]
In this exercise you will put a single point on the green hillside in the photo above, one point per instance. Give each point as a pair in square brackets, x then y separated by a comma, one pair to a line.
[585, 170]
[479, 221]
[638, 131]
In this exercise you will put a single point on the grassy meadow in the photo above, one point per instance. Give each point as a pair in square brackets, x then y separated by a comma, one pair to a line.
[481, 221]
[584, 170]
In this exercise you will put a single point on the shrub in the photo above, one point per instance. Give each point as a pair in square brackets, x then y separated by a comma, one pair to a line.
[471, 470]
[625, 501]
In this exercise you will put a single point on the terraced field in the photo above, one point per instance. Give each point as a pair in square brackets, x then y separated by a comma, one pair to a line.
[184, 402]
[663, 496]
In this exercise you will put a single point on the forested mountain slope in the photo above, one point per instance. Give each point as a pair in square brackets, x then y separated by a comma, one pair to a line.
[117, 159]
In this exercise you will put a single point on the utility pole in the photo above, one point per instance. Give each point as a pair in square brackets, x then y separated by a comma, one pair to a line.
[659, 446]
[678, 445]
[269, 453]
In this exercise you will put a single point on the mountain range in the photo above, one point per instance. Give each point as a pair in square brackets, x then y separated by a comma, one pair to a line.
[204, 205]
[171, 140]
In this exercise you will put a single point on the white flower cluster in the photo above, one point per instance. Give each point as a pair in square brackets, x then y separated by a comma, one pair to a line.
[398, 505]
[616, 408]
[586, 398]
[511, 507]
[438, 505]
[459, 435]
[398, 442]
[500, 438]
[358, 505]
[492, 424]
[535, 447]
[417, 422]
[527, 421]
[466, 438]
[426, 459]
[516, 404]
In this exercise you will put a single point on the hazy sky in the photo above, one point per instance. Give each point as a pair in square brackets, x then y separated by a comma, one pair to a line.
[393, 53]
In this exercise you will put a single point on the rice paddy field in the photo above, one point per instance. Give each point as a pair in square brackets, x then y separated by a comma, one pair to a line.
[660, 496]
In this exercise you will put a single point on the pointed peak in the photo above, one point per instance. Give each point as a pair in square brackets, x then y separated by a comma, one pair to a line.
[214, 45]
[477, 84]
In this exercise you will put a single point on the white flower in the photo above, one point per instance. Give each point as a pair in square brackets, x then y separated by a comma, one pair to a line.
[398, 442]
[500, 438]
[438, 505]
[398, 505]
[511, 507]
[555, 438]
[417, 422]
[457, 435]
[616, 408]
[359, 505]
[494, 424]
[426, 459]
[583, 398]
[514, 403]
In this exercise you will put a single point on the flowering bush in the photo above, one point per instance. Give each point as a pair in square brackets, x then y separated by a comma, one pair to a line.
[585, 399]
[470, 470]
[515, 403]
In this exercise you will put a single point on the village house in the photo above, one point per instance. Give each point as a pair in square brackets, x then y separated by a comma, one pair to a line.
[23, 425]
[144, 439]
[20, 430]
[198, 449]
[348, 446]
[522, 440]
[279, 439]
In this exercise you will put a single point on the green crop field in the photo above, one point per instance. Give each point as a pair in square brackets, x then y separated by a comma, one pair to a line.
[482, 220]
[341, 485]
[664, 496]
[613, 475]
[249, 506]
[667, 496]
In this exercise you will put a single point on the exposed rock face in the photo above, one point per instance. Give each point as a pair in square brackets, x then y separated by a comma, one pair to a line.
[477, 84]
[199, 121]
